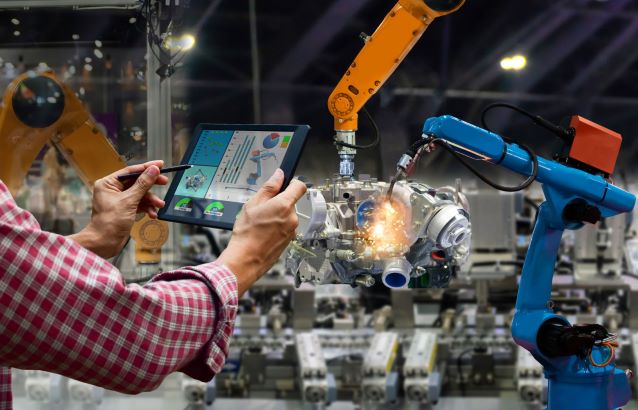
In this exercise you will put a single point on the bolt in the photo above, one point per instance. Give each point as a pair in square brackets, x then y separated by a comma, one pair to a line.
[366, 281]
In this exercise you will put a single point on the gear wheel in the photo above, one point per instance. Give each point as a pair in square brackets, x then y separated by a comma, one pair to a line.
[342, 104]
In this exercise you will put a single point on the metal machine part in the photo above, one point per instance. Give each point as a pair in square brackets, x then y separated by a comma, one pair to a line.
[196, 392]
[494, 234]
[530, 383]
[380, 383]
[350, 232]
[90, 396]
[316, 384]
[598, 251]
[422, 384]
[631, 256]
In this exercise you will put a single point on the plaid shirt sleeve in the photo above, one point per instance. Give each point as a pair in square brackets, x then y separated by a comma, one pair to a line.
[67, 311]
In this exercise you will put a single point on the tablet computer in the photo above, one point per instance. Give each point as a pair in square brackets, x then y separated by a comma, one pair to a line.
[230, 163]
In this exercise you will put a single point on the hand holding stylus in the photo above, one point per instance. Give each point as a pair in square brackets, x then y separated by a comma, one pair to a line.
[166, 170]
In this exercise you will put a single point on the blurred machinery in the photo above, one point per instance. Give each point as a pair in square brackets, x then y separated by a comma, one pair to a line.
[598, 250]
[38, 109]
[316, 384]
[362, 339]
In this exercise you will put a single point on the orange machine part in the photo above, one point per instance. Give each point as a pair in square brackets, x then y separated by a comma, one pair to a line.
[82, 144]
[379, 58]
[595, 145]
[75, 133]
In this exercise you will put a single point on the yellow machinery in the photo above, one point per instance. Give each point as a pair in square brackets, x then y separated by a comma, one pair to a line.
[38, 110]
[379, 58]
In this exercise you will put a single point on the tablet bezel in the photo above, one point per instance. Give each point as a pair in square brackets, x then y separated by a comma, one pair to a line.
[288, 165]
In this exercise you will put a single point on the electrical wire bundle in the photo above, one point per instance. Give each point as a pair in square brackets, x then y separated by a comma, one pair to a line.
[151, 14]
[611, 344]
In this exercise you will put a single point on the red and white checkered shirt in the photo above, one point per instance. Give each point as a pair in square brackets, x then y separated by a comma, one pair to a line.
[67, 311]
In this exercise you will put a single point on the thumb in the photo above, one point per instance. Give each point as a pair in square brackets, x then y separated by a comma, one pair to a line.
[271, 188]
[144, 183]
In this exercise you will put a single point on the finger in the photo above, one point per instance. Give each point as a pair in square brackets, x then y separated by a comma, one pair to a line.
[162, 180]
[271, 188]
[153, 200]
[150, 200]
[157, 202]
[151, 212]
[294, 192]
[131, 169]
[143, 184]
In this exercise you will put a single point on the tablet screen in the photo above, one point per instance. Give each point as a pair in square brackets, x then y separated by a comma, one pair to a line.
[228, 167]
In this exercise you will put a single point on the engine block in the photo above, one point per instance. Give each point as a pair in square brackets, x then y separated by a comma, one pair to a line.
[352, 232]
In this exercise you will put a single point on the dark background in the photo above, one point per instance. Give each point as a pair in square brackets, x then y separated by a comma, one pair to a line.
[582, 58]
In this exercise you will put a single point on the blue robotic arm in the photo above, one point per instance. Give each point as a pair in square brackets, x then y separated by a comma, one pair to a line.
[578, 360]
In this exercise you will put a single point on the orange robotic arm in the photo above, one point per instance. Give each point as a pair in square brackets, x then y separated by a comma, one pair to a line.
[379, 58]
[39, 110]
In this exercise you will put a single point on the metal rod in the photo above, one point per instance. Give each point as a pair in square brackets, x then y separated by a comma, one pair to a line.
[254, 50]
[413, 92]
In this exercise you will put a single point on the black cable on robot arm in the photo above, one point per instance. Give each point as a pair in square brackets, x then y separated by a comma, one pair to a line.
[442, 143]
[377, 135]
[491, 107]
[566, 134]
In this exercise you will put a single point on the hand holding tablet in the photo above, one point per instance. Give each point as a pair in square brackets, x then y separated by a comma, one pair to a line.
[229, 164]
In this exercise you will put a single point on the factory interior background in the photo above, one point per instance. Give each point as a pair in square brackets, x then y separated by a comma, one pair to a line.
[315, 332]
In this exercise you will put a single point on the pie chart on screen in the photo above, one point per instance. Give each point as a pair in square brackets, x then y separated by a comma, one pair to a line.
[271, 140]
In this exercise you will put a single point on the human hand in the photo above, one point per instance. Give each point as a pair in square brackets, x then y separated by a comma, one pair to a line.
[115, 206]
[262, 232]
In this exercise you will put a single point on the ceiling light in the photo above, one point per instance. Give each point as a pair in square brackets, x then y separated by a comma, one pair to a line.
[98, 53]
[98, 43]
[15, 22]
[88, 67]
[87, 59]
[184, 43]
[16, 33]
[132, 20]
[75, 37]
[514, 63]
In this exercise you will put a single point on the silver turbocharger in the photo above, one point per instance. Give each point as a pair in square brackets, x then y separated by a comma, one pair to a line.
[351, 232]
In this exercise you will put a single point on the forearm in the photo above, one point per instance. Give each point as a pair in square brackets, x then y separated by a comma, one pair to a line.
[68, 312]
[90, 239]
[244, 266]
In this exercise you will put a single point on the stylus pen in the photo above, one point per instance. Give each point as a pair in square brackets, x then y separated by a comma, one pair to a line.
[166, 170]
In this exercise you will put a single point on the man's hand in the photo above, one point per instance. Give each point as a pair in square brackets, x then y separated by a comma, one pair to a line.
[264, 229]
[115, 206]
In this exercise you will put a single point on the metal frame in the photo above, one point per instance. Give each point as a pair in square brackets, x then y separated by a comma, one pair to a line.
[26, 4]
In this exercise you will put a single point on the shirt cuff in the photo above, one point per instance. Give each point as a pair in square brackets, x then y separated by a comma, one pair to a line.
[223, 286]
